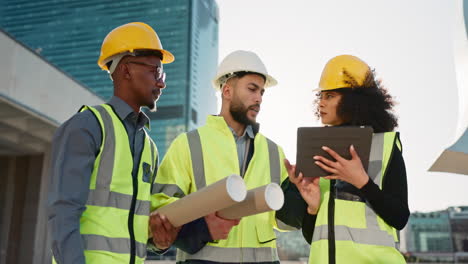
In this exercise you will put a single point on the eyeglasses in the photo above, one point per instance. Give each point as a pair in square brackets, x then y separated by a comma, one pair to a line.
[159, 75]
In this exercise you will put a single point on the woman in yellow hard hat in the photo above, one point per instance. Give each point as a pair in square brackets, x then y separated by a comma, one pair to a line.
[352, 216]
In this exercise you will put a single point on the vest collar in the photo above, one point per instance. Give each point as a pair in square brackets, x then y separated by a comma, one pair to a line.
[219, 123]
[123, 110]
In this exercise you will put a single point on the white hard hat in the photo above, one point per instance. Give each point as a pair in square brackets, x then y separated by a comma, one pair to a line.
[241, 61]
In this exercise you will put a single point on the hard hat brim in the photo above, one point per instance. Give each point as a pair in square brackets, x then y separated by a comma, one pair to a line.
[269, 82]
[167, 57]
[318, 89]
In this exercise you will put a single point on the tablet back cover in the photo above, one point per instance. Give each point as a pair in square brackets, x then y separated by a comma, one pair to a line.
[311, 139]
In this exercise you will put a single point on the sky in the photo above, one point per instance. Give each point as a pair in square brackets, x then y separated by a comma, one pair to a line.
[409, 43]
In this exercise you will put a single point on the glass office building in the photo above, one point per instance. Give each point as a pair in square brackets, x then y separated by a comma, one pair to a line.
[459, 227]
[440, 236]
[429, 232]
[69, 34]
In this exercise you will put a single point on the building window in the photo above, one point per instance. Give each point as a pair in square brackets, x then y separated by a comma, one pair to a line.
[166, 112]
[194, 116]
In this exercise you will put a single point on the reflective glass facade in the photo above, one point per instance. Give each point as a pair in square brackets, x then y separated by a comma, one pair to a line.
[69, 35]
[459, 228]
[465, 14]
[429, 232]
[440, 236]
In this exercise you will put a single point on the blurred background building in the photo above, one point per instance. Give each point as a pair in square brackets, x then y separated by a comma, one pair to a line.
[440, 236]
[48, 69]
[69, 34]
[49, 50]
[292, 246]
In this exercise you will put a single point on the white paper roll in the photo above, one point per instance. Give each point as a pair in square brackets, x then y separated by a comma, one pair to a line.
[221, 194]
[259, 200]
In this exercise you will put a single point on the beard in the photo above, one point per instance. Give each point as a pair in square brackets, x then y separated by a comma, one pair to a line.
[239, 113]
[149, 101]
[152, 106]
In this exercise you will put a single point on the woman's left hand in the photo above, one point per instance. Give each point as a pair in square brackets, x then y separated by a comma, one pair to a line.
[350, 171]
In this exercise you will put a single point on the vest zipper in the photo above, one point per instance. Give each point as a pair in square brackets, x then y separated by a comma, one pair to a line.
[241, 244]
[244, 170]
[331, 224]
[246, 156]
[131, 213]
[130, 221]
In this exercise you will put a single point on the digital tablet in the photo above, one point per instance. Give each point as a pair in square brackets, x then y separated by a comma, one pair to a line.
[311, 139]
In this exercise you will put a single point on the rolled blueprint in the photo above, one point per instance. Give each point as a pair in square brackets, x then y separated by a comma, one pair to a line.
[221, 194]
[259, 200]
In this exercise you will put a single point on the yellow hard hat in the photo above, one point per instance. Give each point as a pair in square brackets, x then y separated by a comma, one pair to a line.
[128, 38]
[342, 71]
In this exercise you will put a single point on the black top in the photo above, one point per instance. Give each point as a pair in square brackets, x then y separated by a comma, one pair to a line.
[390, 203]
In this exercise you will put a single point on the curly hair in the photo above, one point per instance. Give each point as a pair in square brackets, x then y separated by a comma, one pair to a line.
[368, 104]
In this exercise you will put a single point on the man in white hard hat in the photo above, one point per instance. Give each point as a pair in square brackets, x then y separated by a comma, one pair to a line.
[229, 143]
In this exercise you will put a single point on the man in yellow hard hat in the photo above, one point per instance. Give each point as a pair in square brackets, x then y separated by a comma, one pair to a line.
[104, 163]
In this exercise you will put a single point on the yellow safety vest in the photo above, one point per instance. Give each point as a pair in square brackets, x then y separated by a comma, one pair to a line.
[361, 236]
[206, 155]
[114, 226]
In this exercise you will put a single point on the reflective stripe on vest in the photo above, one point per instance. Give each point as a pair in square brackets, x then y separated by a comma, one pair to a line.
[171, 190]
[106, 163]
[198, 167]
[275, 169]
[154, 152]
[236, 255]
[117, 200]
[372, 234]
[357, 235]
[111, 244]
[375, 158]
[196, 154]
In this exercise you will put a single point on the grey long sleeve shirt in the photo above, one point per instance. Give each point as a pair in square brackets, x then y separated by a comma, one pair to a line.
[242, 144]
[75, 146]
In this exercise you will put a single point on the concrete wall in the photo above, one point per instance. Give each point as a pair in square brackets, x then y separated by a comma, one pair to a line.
[23, 220]
[31, 82]
[35, 98]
